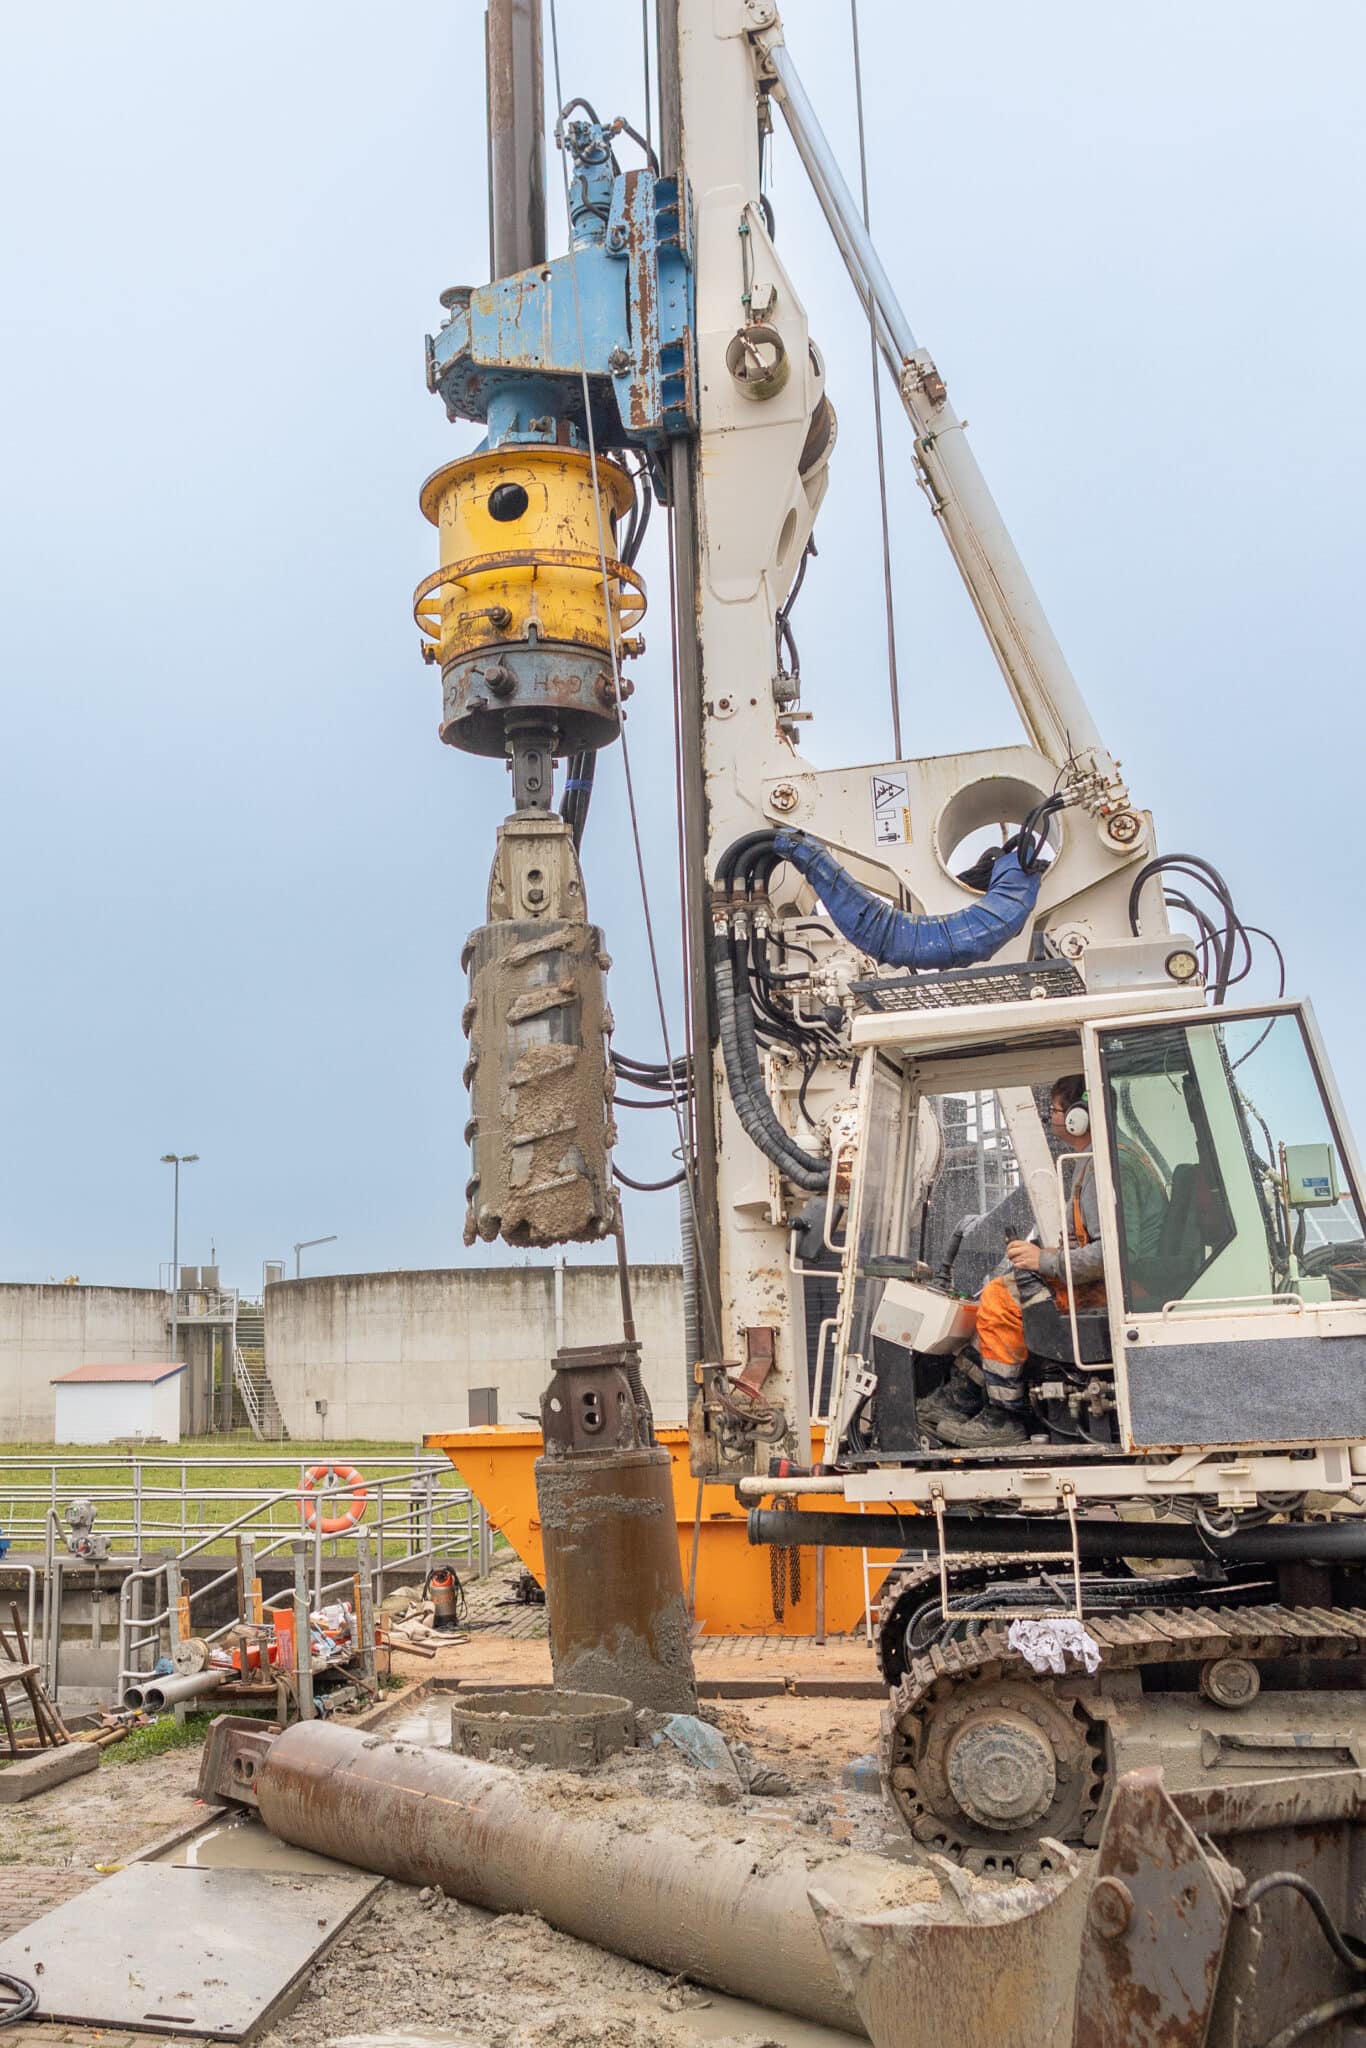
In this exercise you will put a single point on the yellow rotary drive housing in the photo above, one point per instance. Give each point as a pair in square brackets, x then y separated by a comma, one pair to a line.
[518, 616]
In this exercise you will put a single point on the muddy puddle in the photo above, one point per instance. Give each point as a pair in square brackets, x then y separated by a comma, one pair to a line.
[426, 1721]
[242, 1843]
[722, 2019]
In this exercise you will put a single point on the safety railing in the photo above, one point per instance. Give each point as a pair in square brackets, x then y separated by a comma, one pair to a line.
[155, 1502]
[246, 1387]
[157, 1600]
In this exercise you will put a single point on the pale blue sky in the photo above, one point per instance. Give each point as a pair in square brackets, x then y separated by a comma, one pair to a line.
[238, 865]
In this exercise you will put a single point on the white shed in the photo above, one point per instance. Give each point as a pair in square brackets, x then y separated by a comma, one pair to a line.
[97, 1403]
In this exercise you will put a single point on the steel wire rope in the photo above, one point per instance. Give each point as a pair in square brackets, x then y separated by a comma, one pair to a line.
[688, 1167]
[645, 67]
[888, 603]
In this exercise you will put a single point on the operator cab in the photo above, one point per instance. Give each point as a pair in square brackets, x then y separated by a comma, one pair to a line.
[1228, 1198]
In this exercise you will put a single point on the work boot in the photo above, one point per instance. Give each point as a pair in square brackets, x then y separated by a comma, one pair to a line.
[994, 1429]
[956, 1398]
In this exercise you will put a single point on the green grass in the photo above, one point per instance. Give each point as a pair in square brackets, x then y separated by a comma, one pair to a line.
[161, 1735]
[246, 1465]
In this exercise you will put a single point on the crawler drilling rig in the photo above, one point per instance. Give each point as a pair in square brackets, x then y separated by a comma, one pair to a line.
[1184, 1471]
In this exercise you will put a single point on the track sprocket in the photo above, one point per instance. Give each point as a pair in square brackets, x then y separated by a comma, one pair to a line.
[982, 1770]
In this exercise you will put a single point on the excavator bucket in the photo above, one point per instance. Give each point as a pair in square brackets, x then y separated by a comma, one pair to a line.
[1000, 1971]
[1220, 1917]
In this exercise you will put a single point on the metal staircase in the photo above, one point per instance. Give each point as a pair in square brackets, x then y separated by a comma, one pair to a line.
[250, 1376]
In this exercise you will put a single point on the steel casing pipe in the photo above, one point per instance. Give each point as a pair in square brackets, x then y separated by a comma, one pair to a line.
[723, 1912]
[613, 1578]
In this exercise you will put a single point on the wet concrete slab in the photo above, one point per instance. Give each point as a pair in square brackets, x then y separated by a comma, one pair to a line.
[173, 1950]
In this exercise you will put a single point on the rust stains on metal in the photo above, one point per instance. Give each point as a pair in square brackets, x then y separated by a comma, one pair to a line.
[1159, 1916]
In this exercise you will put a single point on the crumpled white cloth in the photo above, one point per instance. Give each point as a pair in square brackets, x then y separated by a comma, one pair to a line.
[1046, 1645]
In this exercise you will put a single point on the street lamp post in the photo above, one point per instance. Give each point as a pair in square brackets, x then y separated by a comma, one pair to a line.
[177, 1160]
[304, 1245]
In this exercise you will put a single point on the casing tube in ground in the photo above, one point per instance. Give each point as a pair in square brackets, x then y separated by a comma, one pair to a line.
[1276, 1542]
[613, 1578]
[735, 1915]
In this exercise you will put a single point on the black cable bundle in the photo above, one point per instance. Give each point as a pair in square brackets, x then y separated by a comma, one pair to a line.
[751, 1012]
[1222, 947]
[23, 2001]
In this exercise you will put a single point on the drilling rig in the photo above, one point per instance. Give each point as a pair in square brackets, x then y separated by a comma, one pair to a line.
[1131, 1523]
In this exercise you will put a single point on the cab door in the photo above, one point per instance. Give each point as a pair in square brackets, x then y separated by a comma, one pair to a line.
[1234, 1253]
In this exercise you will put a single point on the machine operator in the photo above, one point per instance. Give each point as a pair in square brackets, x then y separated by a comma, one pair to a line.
[986, 1406]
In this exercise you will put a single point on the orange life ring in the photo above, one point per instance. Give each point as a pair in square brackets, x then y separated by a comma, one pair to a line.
[345, 1475]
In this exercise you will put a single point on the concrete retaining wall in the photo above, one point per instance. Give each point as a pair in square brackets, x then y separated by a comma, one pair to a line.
[397, 1354]
[46, 1331]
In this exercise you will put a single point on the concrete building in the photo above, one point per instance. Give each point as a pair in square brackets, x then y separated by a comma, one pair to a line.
[47, 1331]
[396, 1354]
[105, 1404]
[391, 1354]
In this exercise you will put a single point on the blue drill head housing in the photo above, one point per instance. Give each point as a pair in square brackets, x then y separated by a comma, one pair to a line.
[618, 309]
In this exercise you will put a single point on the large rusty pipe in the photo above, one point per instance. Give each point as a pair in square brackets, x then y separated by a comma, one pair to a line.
[729, 1914]
[516, 97]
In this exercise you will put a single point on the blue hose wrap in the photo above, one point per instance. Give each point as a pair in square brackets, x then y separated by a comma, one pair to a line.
[894, 937]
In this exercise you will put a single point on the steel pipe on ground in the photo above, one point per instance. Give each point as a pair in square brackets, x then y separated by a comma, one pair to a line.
[735, 1915]
[1278, 1542]
[156, 1693]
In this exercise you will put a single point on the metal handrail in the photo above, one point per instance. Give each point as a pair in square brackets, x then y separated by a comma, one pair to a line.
[20, 1493]
[1071, 1159]
[375, 1534]
[246, 1387]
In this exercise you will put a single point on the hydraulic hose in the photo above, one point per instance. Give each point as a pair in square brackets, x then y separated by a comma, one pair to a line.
[1280, 1542]
[898, 938]
[744, 1078]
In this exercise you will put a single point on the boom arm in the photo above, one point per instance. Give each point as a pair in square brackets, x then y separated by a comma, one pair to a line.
[1045, 691]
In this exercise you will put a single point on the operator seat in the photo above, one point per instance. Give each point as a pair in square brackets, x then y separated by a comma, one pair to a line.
[1166, 1273]
[1048, 1333]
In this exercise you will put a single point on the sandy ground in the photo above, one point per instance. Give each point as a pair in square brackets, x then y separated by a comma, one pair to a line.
[105, 1817]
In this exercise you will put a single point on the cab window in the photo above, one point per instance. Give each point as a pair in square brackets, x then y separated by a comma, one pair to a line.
[1230, 1178]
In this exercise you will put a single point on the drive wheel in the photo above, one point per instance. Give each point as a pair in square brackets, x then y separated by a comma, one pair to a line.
[982, 1770]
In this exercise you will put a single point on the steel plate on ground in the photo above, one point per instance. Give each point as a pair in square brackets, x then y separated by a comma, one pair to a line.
[176, 1951]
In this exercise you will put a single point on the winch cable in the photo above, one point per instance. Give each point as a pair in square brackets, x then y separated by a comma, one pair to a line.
[876, 368]
[710, 1306]
[582, 766]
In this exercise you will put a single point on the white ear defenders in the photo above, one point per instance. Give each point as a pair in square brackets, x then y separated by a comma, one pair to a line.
[1077, 1121]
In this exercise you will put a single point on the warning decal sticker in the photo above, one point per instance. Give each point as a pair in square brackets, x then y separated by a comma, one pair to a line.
[891, 808]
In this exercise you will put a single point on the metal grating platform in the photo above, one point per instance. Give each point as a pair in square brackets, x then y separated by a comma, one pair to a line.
[961, 987]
